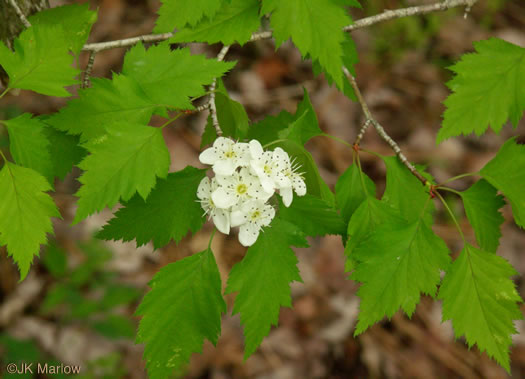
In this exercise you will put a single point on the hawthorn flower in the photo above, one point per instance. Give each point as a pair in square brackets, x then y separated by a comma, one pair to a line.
[226, 156]
[239, 187]
[220, 217]
[268, 166]
[251, 216]
[296, 180]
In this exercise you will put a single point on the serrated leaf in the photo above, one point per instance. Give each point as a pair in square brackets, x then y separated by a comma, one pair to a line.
[41, 61]
[305, 126]
[397, 263]
[104, 103]
[26, 212]
[29, 145]
[349, 191]
[179, 13]
[171, 77]
[182, 309]
[371, 214]
[487, 88]
[170, 211]
[76, 21]
[232, 117]
[313, 216]
[506, 172]
[234, 22]
[125, 161]
[482, 204]
[481, 300]
[322, 40]
[64, 150]
[262, 280]
[405, 192]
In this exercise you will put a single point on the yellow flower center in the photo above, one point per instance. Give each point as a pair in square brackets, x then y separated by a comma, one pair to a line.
[267, 169]
[229, 154]
[242, 189]
[256, 215]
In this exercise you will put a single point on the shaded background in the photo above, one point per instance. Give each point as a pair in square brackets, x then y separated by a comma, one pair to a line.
[76, 306]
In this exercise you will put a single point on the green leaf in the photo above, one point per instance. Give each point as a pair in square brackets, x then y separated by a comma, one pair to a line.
[396, 264]
[232, 117]
[117, 295]
[55, 260]
[349, 192]
[481, 300]
[115, 327]
[182, 309]
[75, 19]
[64, 150]
[405, 192]
[316, 28]
[41, 61]
[210, 134]
[350, 59]
[482, 204]
[29, 145]
[313, 216]
[305, 126]
[234, 22]
[371, 214]
[26, 213]
[107, 101]
[262, 280]
[488, 90]
[267, 130]
[170, 211]
[126, 160]
[179, 13]
[506, 172]
[171, 77]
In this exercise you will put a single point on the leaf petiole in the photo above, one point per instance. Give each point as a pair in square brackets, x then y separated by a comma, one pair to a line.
[5, 91]
[451, 216]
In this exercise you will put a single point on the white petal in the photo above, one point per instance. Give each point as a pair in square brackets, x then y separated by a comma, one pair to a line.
[221, 219]
[225, 180]
[299, 186]
[223, 144]
[238, 218]
[209, 156]
[248, 234]
[204, 189]
[267, 184]
[223, 199]
[267, 216]
[224, 167]
[287, 195]
[281, 181]
[256, 150]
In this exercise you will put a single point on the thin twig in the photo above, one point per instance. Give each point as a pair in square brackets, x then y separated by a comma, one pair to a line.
[380, 130]
[410, 11]
[126, 42]
[20, 14]
[89, 68]
[362, 131]
[213, 107]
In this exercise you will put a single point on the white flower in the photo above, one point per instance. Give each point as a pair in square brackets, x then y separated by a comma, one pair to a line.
[226, 156]
[296, 181]
[239, 187]
[221, 217]
[251, 217]
[268, 166]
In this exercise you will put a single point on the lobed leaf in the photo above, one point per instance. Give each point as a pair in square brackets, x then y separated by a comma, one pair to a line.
[179, 13]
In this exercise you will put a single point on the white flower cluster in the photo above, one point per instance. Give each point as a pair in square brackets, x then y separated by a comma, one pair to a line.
[246, 177]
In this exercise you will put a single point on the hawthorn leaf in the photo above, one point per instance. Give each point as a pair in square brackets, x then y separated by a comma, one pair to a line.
[267, 130]
[179, 13]
[171, 77]
[26, 211]
[481, 300]
[128, 159]
[506, 172]
[316, 28]
[29, 144]
[262, 280]
[76, 21]
[210, 134]
[233, 22]
[40, 62]
[182, 309]
[232, 117]
[105, 102]
[169, 212]
[405, 192]
[487, 90]
[371, 214]
[349, 191]
[313, 216]
[482, 204]
[397, 263]
[64, 150]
